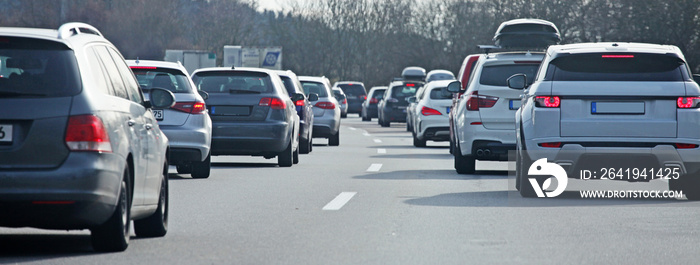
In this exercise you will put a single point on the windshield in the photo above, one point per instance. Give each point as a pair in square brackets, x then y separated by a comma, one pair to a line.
[497, 75]
[233, 81]
[37, 68]
[314, 87]
[171, 79]
[353, 90]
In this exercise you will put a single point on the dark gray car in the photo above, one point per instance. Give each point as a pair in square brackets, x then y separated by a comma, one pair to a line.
[251, 113]
[79, 145]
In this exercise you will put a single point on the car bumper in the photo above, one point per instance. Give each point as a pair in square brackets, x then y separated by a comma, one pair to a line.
[250, 138]
[80, 194]
[355, 107]
[187, 144]
[395, 114]
[325, 126]
[434, 128]
[497, 142]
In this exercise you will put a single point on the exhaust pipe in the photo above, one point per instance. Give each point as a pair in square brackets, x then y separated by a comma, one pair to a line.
[480, 152]
[487, 152]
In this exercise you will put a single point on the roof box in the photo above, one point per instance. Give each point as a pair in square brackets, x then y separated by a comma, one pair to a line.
[527, 33]
[413, 73]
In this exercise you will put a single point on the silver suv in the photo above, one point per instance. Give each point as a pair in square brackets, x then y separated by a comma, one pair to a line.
[187, 123]
[484, 117]
[626, 106]
[79, 145]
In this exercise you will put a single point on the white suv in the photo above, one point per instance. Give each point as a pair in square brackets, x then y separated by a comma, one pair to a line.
[484, 116]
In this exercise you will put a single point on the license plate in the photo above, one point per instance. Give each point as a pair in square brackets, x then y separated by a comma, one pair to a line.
[515, 104]
[617, 107]
[158, 113]
[5, 133]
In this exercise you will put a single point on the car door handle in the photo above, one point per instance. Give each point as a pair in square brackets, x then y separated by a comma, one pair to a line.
[148, 126]
[131, 122]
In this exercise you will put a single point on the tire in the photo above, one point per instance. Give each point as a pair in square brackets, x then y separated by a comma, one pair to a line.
[521, 182]
[201, 170]
[113, 235]
[409, 127]
[343, 115]
[311, 144]
[418, 142]
[452, 147]
[364, 118]
[285, 158]
[687, 183]
[156, 225]
[464, 164]
[305, 146]
[184, 169]
[295, 156]
[385, 123]
[334, 140]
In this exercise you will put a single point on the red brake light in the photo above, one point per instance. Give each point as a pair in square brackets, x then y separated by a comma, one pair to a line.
[425, 111]
[410, 84]
[476, 101]
[325, 105]
[551, 145]
[373, 101]
[547, 102]
[299, 102]
[87, 133]
[190, 107]
[274, 103]
[143, 67]
[362, 97]
[345, 101]
[618, 56]
[686, 146]
[688, 102]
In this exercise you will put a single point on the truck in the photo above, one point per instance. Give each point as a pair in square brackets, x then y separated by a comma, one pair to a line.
[191, 59]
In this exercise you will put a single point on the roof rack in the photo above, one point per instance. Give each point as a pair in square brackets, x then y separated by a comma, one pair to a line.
[74, 28]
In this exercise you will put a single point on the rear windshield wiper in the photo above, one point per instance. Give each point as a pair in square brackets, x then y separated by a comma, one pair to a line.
[240, 91]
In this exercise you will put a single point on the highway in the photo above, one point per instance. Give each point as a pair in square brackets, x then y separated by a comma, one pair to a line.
[376, 199]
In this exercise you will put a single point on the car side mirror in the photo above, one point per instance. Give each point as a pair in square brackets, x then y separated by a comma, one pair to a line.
[161, 98]
[412, 99]
[517, 81]
[298, 96]
[454, 87]
[313, 97]
[204, 94]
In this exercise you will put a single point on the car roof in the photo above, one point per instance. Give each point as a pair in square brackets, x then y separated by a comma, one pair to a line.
[237, 69]
[438, 83]
[378, 87]
[348, 82]
[69, 34]
[612, 47]
[320, 79]
[159, 64]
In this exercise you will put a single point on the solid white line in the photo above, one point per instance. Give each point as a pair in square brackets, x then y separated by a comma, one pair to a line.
[377, 140]
[381, 151]
[339, 201]
[352, 128]
[374, 167]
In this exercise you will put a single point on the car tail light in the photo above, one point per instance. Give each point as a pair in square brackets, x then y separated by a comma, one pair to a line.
[547, 102]
[325, 105]
[476, 123]
[299, 102]
[190, 107]
[686, 146]
[87, 133]
[476, 101]
[362, 97]
[274, 103]
[688, 102]
[373, 101]
[551, 145]
[425, 111]
[345, 101]
[410, 84]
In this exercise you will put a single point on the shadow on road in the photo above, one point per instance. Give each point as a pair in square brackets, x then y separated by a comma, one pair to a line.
[505, 198]
[15, 248]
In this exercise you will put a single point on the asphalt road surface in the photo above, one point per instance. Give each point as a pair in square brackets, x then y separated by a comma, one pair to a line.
[376, 199]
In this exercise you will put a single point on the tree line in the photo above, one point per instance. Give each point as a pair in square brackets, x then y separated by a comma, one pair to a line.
[364, 40]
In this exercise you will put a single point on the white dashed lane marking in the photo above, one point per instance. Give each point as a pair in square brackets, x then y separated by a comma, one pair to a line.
[374, 167]
[377, 140]
[339, 201]
[381, 151]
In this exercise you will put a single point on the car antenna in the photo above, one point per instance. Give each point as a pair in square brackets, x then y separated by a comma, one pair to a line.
[233, 67]
[137, 60]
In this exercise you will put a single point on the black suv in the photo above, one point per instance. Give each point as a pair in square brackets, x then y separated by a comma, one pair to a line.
[392, 108]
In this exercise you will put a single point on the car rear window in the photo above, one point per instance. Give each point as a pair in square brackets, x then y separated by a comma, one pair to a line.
[314, 87]
[440, 93]
[170, 79]
[353, 90]
[233, 82]
[617, 67]
[403, 91]
[496, 75]
[288, 84]
[37, 68]
[378, 94]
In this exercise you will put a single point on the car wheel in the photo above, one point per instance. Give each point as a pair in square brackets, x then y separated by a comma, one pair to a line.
[156, 225]
[687, 183]
[409, 127]
[452, 147]
[334, 140]
[285, 159]
[385, 123]
[311, 144]
[201, 170]
[305, 146]
[418, 142]
[113, 235]
[343, 115]
[184, 169]
[365, 118]
[464, 164]
[295, 156]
